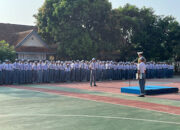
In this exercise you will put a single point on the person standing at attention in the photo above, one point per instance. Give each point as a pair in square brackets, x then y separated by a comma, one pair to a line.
[141, 69]
[93, 72]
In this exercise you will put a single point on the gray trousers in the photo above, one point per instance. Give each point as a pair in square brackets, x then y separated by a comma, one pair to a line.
[142, 84]
[93, 77]
[46, 76]
[16, 76]
[73, 76]
[40, 76]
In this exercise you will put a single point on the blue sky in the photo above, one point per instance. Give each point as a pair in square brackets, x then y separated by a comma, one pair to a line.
[21, 11]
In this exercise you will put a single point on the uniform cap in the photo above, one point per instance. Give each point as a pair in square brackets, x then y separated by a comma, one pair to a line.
[93, 59]
[139, 53]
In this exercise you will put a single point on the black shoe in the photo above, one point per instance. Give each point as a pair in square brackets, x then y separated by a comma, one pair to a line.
[141, 96]
[95, 85]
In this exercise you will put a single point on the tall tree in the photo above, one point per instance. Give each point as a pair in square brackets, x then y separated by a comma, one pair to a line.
[75, 25]
[145, 31]
[91, 28]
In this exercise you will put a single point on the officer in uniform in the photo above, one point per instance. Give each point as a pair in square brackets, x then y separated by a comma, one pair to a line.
[141, 68]
[93, 72]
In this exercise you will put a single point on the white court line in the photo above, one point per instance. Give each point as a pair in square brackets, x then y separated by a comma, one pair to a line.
[89, 116]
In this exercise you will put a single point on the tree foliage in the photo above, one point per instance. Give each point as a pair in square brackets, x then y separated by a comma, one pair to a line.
[91, 28]
[6, 51]
[75, 25]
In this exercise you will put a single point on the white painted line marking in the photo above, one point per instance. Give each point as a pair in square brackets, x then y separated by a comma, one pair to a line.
[89, 116]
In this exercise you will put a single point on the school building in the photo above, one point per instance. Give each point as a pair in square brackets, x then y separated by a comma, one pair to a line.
[26, 41]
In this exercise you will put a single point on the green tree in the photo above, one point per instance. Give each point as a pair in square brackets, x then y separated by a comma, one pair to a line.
[142, 30]
[172, 44]
[124, 25]
[75, 25]
[91, 28]
[6, 51]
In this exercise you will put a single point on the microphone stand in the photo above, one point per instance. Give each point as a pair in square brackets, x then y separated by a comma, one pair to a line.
[130, 79]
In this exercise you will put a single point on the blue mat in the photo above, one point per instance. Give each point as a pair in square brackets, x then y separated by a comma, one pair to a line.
[150, 90]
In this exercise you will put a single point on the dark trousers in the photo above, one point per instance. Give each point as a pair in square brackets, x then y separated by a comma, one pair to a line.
[35, 76]
[8, 77]
[88, 75]
[16, 76]
[22, 76]
[78, 78]
[56, 76]
[51, 75]
[28, 76]
[62, 77]
[73, 75]
[142, 84]
[46, 76]
[68, 75]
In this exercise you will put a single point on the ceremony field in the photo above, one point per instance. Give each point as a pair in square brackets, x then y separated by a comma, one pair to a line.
[77, 106]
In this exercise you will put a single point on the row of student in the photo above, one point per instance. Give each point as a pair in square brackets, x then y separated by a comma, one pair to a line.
[21, 72]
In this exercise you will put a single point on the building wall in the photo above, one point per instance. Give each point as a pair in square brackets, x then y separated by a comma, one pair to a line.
[33, 41]
[29, 56]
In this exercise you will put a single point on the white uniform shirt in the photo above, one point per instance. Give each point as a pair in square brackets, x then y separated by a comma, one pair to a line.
[86, 66]
[68, 68]
[8, 67]
[1, 67]
[35, 67]
[93, 66]
[72, 66]
[141, 67]
[16, 65]
[45, 66]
